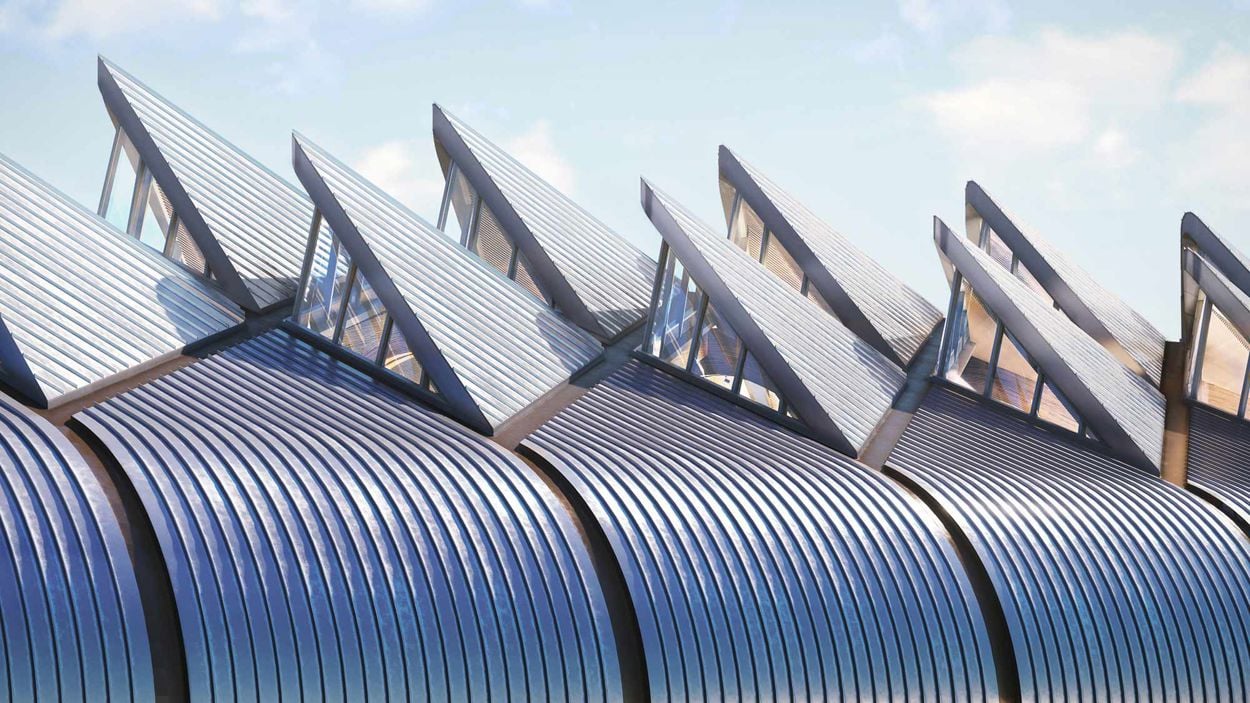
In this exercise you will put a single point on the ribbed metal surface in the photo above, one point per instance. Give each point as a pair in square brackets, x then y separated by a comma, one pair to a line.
[507, 347]
[85, 302]
[1135, 405]
[1115, 585]
[71, 622]
[328, 539]
[1219, 458]
[260, 220]
[901, 315]
[1133, 331]
[853, 382]
[761, 565]
[610, 275]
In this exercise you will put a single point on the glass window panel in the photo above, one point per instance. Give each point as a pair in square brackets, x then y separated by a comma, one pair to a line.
[327, 280]
[399, 358]
[526, 280]
[460, 200]
[815, 296]
[154, 222]
[365, 318]
[490, 241]
[757, 386]
[747, 230]
[674, 319]
[1223, 365]
[728, 194]
[1015, 379]
[125, 165]
[998, 250]
[972, 343]
[779, 261]
[1053, 408]
[718, 351]
[183, 249]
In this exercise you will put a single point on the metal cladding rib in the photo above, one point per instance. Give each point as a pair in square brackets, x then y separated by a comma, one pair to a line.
[232, 202]
[73, 624]
[505, 347]
[869, 300]
[81, 303]
[1115, 585]
[328, 538]
[1124, 409]
[1102, 315]
[1219, 460]
[598, 278]
[840, 386]
[762, 565]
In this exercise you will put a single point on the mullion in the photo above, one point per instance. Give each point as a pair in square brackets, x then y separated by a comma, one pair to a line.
[347, 296]
[1200, 347]
[111, 174]
[698, 331]
[385, 341]
[445, 206]
[739, 367]
[999, 333]
[1245, 390]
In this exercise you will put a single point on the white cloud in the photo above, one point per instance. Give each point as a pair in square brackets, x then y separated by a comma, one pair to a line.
[103, 18]
[392, 6]
[410, 177]
[1114, 150]
[931, 18]
[1213, 160]
[885, 48]
[1055, 90]
[537, 151]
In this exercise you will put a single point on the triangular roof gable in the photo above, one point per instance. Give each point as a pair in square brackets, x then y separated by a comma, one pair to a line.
[489, 347]
[594, 276]
[1224, 256]
[1101, 314]
[838, 384]
[1123, 409]
[83, 304]
[866, 297]
[14, 369]
[250, 224]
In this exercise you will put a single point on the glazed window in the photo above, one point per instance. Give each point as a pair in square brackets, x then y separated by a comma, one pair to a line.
[1223, 357]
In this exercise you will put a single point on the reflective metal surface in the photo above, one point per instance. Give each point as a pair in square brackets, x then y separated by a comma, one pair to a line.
[1219, 459]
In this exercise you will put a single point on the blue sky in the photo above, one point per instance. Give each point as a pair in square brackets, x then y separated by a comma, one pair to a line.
[1097, 125]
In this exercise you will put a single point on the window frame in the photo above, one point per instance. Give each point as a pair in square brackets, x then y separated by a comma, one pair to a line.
[1205, 319]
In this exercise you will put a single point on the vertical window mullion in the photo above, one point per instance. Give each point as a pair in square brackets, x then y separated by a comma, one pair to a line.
[138, 197]
[698, 331]
[999, 333]
[736, 386]
[447, 191]
[470, 239]
[661, 273]
[1245, 390]
[764, 240]
[1037, 392]
[948, 328]
[1200, 348]
[111, 173]
[349, 284]
[385, 340]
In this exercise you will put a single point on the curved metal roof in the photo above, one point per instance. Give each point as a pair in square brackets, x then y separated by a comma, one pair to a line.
[1115, 585]
[226, 198]
[1219, 460]
[83, 303]
[761, 565]
[327, 538]
[840, 386]
[1097, 311]
[609, 279]
[869, 300]
[1124, 409]
[506, 347]
[72, 624]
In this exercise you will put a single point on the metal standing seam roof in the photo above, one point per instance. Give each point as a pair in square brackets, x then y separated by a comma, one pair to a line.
[328, 538]
[609, 276]
[1230, 263]
[84, 303]
[1219, 459]
[1128, 327]
[506, 347]
[820, 366]
[1124, 409]
[258, 219]
[900, 315]
[73, 625]
[1115, 585]
[762, 565]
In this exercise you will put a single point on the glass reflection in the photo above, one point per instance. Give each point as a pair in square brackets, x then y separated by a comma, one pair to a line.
[1224, 361]
[718, 352]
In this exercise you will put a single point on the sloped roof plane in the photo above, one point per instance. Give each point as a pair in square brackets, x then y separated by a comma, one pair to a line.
[597, 278]
[1102, 315]
[1124, 409]
[82, 304]
[869, 300]
[489, 347]
[839, 385]
[250, 224]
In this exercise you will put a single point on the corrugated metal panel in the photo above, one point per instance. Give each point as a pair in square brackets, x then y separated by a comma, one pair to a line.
[507, 347]
[260, 220]
[71, 622]
[761, 565]
[853, 383]
[1133, 331]
[84, 302]
[1217, 250]
[1115, 584]
[329, 539]
[610, 275]
[901, 315]
[1134, 404]
[1219, 458]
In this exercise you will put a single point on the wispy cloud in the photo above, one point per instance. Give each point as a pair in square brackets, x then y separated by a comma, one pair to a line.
[934, 18]
[105, 18]
[407, 170]
[537, 150]
[1214, 158]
